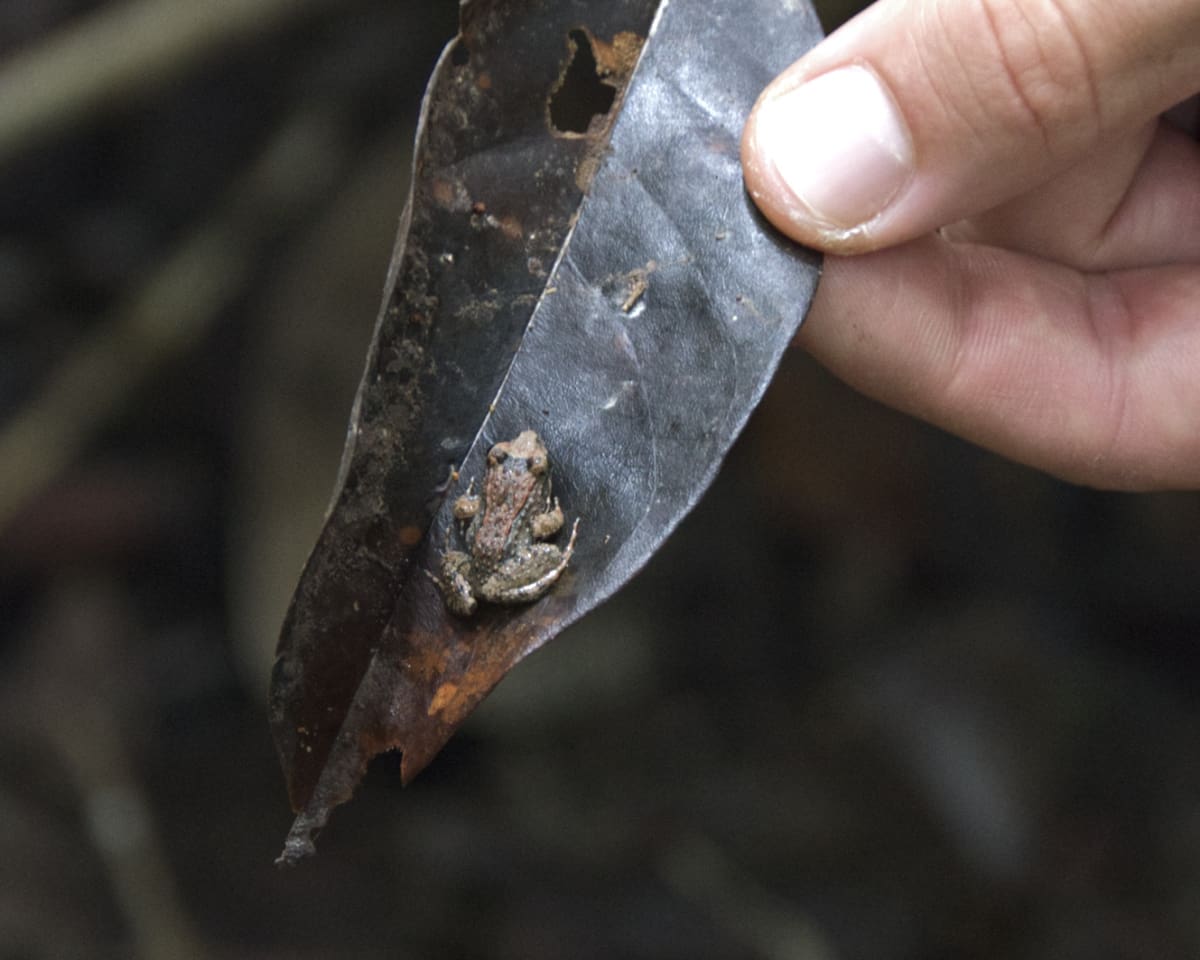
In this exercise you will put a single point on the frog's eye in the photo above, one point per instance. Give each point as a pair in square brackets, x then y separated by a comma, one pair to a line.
[538, 464]
[496, 456]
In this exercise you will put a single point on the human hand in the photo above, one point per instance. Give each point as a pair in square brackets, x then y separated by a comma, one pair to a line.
[1029, 227]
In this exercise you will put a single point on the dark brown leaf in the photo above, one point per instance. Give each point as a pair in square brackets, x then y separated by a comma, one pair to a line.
[578, 257]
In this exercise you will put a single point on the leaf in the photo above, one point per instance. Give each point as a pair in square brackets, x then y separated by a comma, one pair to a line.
[602, 279]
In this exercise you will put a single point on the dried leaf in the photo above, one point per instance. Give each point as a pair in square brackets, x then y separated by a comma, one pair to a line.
[578, 257]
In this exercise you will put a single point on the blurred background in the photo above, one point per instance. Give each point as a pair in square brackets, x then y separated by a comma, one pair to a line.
[883, 695]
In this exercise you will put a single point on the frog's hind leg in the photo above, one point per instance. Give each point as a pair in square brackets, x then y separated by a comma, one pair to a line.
[547, 562]
[454, 585]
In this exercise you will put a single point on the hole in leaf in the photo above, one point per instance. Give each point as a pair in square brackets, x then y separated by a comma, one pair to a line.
[581, 94]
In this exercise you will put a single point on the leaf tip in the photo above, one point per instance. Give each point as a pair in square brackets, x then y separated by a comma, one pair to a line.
[299, 844]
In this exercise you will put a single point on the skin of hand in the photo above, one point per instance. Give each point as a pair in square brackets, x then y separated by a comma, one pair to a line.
[1013, 228]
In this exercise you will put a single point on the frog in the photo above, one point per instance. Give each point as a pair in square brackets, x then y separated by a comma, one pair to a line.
[506, 560]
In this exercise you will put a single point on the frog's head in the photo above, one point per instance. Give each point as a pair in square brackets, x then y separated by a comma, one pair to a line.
[525, 453]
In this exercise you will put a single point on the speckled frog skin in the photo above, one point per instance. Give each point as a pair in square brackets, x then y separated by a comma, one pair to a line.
[505, 561]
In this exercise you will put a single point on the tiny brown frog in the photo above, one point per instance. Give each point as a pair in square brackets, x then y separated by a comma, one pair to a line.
[505, 562]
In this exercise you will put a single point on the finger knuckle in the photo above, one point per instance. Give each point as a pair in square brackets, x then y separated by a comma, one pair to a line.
[1041, 76]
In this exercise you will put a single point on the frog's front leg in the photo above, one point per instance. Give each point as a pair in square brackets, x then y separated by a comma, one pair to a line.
[549, 523]
[455, 583]
[466, 506]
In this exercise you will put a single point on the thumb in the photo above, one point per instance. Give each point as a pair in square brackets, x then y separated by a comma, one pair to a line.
[919, 113]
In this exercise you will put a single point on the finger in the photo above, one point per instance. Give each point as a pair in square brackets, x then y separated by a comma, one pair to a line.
[1089, 377]
[919, 113]
[1135, 204]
